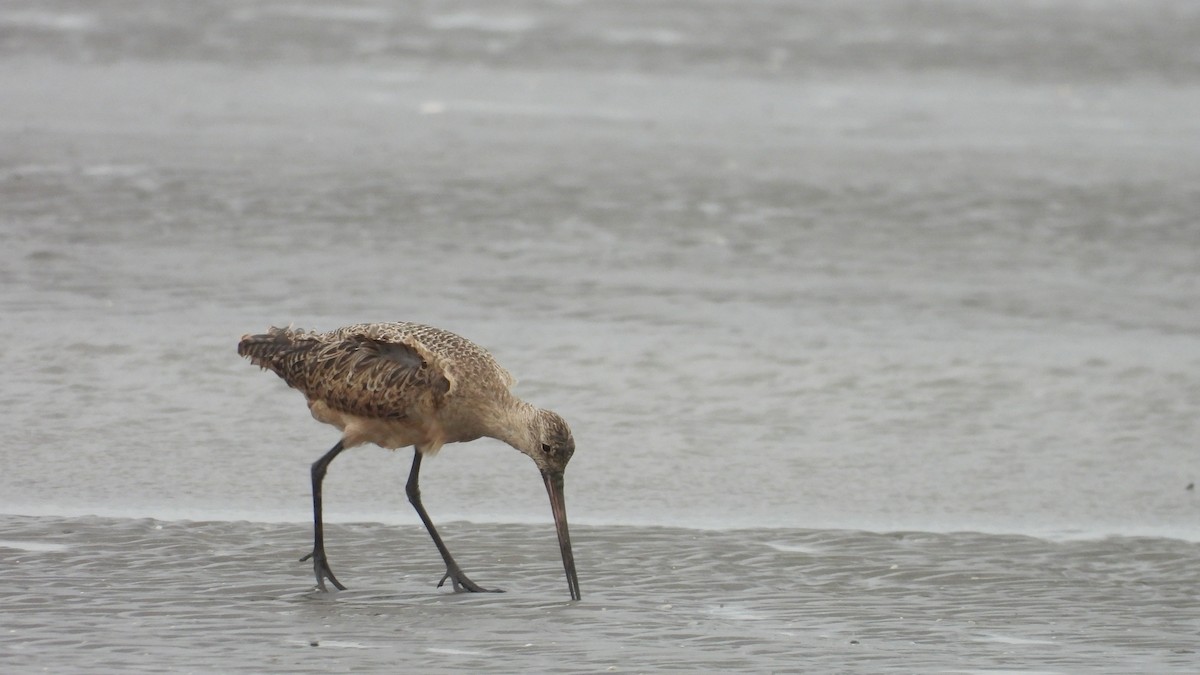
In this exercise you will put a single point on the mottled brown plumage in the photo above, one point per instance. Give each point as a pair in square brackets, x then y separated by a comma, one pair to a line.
[402, 384]
[361, 370]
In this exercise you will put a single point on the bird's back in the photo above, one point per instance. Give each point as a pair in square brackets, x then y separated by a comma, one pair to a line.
[465, 359]
[378, 370]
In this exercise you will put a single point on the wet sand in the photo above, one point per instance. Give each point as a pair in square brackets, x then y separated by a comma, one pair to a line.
[140, 595]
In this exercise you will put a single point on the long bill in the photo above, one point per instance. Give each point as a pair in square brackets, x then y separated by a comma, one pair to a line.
[558, 505]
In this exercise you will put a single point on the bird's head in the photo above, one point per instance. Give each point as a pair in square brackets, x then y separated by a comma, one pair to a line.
[554, 445]
[551, 452]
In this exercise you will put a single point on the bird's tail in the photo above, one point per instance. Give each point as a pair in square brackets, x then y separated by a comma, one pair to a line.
[280, 350]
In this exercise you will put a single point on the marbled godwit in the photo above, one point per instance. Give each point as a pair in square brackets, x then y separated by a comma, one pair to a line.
[402, 384]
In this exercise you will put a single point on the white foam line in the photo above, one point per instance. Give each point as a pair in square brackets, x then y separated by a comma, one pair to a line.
[452, 652]
[301, 514]
[497, 108]
[36, 546]
[1012, 640]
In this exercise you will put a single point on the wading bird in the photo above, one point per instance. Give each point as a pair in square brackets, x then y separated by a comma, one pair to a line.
[402, 384]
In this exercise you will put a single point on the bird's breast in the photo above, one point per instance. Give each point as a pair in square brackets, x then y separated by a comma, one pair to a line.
[390, 433]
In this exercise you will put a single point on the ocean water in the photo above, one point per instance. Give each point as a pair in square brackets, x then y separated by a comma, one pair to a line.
[876, 323]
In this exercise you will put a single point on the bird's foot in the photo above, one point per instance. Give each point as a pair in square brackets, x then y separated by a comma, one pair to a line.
[462, 584]
[321, 569]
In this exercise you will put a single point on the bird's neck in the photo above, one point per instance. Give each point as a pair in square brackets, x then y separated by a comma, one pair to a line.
[516, 423]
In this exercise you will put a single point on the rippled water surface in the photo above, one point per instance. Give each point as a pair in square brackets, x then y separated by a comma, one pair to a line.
[877, 326]
[229, 596]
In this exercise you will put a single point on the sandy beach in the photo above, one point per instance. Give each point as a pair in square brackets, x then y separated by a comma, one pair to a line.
[876, 325]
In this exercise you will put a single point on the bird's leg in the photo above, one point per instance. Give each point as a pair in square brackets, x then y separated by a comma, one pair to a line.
[320, 564]
[453, 572]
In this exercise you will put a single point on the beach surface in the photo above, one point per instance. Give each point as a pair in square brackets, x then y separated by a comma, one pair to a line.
[877, 326]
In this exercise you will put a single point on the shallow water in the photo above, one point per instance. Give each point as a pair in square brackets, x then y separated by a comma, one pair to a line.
[828, 269]
[141, 594]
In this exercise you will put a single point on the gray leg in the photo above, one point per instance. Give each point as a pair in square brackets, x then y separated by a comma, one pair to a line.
[453, 572]
[320, 564]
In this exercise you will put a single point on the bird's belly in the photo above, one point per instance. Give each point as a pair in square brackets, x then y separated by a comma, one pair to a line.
[388, 433]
